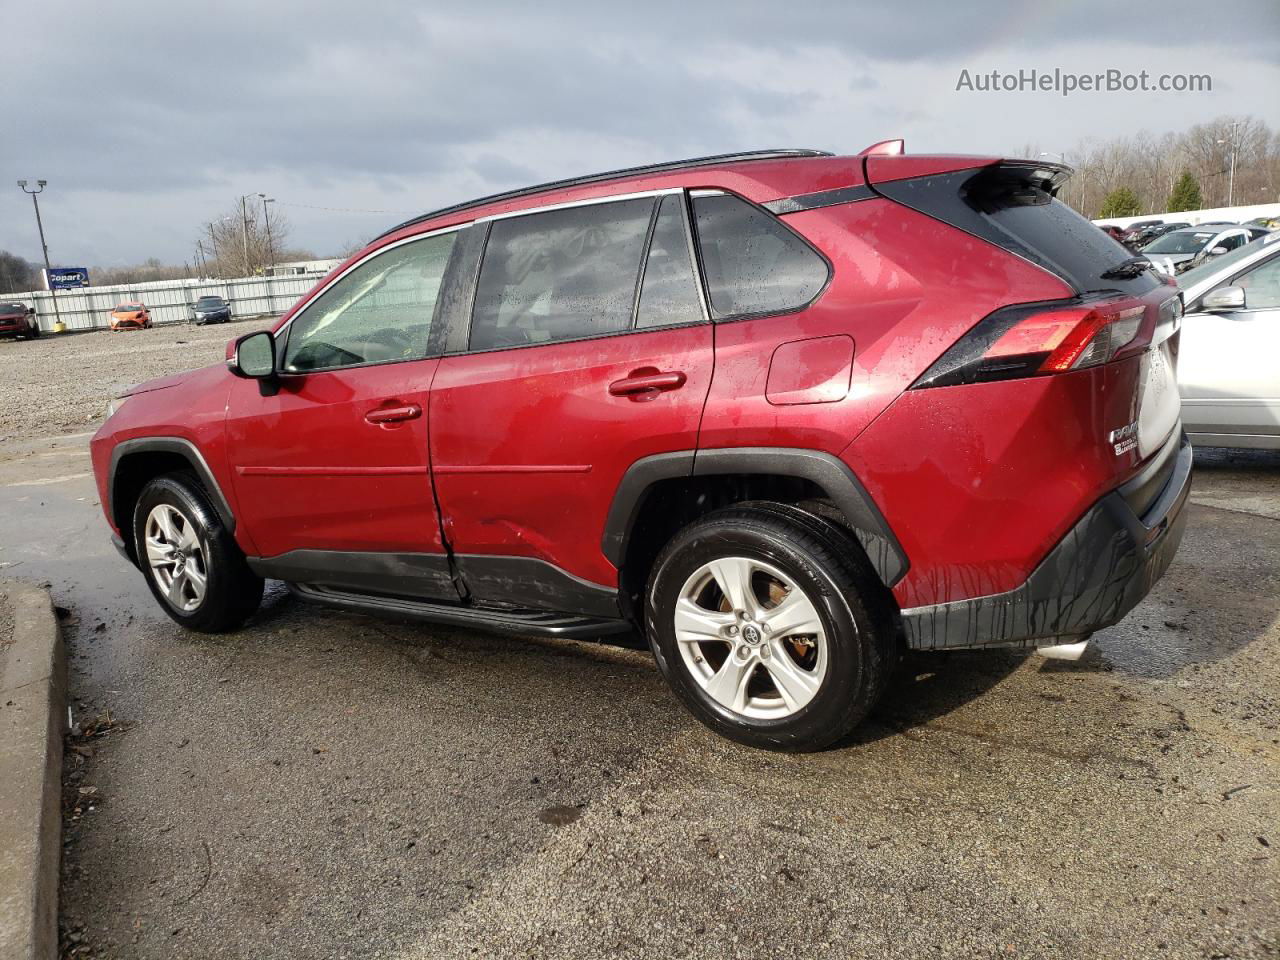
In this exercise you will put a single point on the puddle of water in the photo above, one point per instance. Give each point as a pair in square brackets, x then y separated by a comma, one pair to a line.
[559, 816]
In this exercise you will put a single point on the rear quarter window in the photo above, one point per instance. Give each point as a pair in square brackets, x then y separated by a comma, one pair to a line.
[753, 264]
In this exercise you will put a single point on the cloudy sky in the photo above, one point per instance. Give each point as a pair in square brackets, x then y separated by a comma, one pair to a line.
[149, 119]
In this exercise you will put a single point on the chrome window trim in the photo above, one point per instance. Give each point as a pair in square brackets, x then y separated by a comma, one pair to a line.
[568, 205]
[281, 335]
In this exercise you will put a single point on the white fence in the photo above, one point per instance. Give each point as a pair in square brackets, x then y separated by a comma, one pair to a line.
[1194, 217]
[89, 308]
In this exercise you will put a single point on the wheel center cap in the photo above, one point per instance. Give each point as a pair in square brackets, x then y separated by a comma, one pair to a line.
[751, 634]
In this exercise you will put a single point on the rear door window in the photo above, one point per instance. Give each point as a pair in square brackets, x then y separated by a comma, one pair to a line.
[669, 291]
[753, 264]
[560, 274]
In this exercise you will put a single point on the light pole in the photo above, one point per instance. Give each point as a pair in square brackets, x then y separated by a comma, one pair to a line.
[1231, 177]
[244, 228]
[266, 215]
[58, 326]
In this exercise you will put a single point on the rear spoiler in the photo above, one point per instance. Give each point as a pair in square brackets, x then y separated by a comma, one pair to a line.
[991, 174]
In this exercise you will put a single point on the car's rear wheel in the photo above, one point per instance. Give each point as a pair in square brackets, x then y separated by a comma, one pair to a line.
[193, 565]
[767, 623]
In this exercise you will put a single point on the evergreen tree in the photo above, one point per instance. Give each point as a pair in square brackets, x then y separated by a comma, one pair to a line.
[1120, 202]
[1186, 195]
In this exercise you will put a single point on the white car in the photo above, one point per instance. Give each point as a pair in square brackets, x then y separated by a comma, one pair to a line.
[1229, 358]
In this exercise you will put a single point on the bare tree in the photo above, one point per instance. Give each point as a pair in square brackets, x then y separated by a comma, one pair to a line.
[243, 246]
[1150, 165]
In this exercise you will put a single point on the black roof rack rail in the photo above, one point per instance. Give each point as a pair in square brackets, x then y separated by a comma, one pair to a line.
[667, 167]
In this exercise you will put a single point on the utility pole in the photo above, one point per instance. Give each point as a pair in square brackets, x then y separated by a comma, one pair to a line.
[44, 247]
[200, 260]
[213, 243]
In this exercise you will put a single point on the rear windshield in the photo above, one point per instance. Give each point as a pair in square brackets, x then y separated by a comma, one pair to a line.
[1026, 221]
[1180, 243]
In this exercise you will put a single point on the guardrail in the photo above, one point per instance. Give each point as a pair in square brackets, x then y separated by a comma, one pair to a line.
[89, 308]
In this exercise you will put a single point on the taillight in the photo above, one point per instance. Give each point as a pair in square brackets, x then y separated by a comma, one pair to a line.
[1037, 339]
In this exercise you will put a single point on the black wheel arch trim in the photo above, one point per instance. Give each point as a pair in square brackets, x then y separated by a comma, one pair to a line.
[188, 451]
[829, 473]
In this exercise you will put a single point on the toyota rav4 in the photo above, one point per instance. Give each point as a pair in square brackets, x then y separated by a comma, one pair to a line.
[783, 413]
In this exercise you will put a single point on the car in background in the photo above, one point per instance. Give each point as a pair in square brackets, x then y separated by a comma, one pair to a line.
[211, 310]
[1179, 250]
[1267, 223]
[17, 320]
[1112, 231]
[1147, 234]
[1133, 229]
[130, 315]
[1229, 359]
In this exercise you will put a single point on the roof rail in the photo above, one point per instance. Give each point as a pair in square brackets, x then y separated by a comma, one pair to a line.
[667, 167]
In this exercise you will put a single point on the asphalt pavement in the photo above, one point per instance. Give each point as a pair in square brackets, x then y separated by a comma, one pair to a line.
[325, 785]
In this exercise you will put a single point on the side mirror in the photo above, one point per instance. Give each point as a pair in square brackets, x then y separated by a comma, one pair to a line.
[1217, 251]
[253, 356]
[1224, 298]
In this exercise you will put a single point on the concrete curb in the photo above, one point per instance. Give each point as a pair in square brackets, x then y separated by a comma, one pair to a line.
[33, 712]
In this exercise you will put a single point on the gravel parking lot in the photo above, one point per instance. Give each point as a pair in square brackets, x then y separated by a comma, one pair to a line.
[321, 785]
[63, 383]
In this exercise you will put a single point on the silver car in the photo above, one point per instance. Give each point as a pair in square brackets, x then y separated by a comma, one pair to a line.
[1229, 358]
[1175, 251]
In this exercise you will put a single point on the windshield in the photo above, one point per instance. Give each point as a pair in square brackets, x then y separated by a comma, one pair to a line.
[1216, 265]
[128, 307]
[209, 302]
[1181, 243]
[13, 308]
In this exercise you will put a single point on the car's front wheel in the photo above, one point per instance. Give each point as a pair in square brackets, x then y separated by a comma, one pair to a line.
[767, 623]
[192, 563]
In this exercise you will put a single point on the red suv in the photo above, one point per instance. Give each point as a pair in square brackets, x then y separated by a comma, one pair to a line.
[18, 320]
[785, 413]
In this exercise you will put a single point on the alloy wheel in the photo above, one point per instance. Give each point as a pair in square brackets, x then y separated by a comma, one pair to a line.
[751, 638]
[177, 557]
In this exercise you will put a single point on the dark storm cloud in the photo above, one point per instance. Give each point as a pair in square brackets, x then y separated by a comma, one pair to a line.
[150, 100]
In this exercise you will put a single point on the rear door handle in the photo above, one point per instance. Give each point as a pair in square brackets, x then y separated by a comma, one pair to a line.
[410, 411]
[645, 385]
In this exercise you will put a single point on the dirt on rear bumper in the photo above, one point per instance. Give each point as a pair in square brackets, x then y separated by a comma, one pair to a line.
[1096, 574]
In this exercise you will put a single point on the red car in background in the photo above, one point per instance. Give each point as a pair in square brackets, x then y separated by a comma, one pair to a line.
[18, 320]
[130, 315]
[783, 413]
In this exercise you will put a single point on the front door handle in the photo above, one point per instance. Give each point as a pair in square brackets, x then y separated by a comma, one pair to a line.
[410, 411]
[645, 384]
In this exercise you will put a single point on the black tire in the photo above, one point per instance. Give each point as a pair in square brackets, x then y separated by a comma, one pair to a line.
[827, 563]
[232, 591]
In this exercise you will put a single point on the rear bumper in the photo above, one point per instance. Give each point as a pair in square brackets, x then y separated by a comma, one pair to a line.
[1096, 574]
